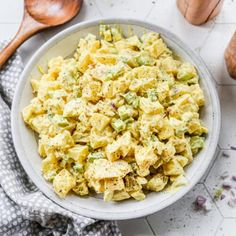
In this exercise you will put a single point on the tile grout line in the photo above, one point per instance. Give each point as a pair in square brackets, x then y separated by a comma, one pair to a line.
[217, 228]
[95, 4]
[213, 200]
[225, 23]
[150, 226]
[208, 35]
[150, 11]
[10, 23]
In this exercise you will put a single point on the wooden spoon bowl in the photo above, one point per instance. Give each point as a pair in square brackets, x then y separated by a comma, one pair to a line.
[39, 15]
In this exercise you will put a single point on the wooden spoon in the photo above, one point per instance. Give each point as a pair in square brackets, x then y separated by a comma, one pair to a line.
[198, 12]
[39, 15]
[230, 57]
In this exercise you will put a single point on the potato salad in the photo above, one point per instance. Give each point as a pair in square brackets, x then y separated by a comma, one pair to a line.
[120, 117]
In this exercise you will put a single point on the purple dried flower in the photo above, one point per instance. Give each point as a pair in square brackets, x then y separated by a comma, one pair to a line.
[234, 177]
[222, 196]
[200, 201]
[113, 105]
[226, 186]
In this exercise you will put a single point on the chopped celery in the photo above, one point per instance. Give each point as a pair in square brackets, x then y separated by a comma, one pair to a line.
[197, 143]
[129, 120]
[78, 167]
[152, 95]
[118, 125]
[125, 112]
[95, 155]
[186, 71]
[144, 59]
[130, 97]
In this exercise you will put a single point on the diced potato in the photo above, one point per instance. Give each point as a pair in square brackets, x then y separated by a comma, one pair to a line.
[35, 108]
[81, 188]
[41, 124]
[126, 112]
[43, 145]
[178, 181]
[108, 194]
[35, 84]
[45, 87]
[120, 147]
[99, 121]
[107, 89]
[183, 161]
[104, 58]
[78, 153]
[120, 195]
[168, 151]
[63, 140]
[74, 108]
[138, 195]
[145, 157]
[118, 125]
[104, 169]
[91, 91]
[149, 38]
[147, 106]
[97, 140]
[50, 166]
[144, 72]
[157, 182]
[165, 129]
[95, 155]
[157, 48]
[120, 117]
[132, 184]
[169, 65]
[196, 143]
[84, 61]
[114, 184]
[173, 168]
[63, 183]
[186, 72]
[197, 94]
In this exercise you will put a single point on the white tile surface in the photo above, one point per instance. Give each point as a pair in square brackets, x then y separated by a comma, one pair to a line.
[227, 228]
[225, 15]
[181, 219]
[210, 41]
[123, 8]
[213, 49]
[166, 14]
[7, 31]
[227, 95]
[137, 227]
[214, 181]
[11, 11]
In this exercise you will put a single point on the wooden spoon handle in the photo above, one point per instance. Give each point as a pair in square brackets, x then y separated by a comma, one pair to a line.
[27, 28]
[198, 12]
[230, 56]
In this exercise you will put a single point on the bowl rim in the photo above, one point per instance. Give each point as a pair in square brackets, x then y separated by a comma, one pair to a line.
[98, 214]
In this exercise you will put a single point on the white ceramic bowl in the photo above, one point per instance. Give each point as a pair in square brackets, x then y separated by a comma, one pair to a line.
[64, 44]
